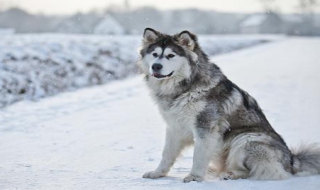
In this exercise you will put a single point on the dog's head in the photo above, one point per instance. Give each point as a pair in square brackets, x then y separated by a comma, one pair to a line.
[168, 56]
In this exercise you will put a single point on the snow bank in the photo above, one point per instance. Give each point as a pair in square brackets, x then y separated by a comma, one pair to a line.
[7, 31]
[36, 66]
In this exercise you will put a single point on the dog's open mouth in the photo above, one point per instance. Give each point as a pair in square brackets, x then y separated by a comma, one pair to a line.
[157, 75]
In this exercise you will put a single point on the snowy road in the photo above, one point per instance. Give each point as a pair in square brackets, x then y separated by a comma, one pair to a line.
[106, 137]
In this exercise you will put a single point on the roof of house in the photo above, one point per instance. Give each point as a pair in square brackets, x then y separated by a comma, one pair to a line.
[254, 20]
[109, 25]
[292, 18]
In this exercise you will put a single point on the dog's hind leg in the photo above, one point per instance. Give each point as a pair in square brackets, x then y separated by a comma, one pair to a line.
[235, 164]
[266, 162]
[236, 174]
[268, 171]
[252, 156]
[174, 144]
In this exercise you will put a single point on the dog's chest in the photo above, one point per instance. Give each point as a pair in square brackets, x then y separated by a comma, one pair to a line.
[182, 111]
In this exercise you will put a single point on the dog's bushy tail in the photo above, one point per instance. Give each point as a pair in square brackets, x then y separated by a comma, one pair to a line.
[306, 159]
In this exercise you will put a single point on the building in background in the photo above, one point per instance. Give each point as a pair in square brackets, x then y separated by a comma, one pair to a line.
[293, 24]
[109, 25]
[267, 23]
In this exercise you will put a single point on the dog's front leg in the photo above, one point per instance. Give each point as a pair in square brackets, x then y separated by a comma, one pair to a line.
[175, 142]
[207, 144]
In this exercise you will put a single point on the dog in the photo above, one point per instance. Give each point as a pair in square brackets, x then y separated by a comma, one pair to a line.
[202, 107]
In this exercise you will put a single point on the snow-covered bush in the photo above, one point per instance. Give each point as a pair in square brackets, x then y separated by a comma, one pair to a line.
[35, 66]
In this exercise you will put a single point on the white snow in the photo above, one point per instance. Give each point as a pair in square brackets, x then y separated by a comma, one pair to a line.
[106, 137]
[35, 66]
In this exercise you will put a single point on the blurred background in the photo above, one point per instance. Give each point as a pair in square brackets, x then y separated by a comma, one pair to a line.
[292, 17]
[52, 46]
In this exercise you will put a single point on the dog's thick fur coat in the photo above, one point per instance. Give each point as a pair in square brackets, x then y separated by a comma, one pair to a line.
[201, 106]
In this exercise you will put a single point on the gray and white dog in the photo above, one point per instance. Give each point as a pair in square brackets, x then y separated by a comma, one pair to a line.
[225, 124]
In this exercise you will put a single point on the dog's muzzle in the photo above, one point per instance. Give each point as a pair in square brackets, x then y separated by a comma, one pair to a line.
[158, 75]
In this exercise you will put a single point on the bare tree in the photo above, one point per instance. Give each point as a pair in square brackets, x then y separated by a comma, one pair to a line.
[2, 5]
[268, 5]
[6, 4]
[307, 9]
[308, 6]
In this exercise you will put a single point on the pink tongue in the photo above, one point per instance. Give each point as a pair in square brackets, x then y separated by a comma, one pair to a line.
[156, 74]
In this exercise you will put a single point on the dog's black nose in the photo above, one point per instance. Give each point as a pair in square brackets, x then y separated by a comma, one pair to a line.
[156, 67]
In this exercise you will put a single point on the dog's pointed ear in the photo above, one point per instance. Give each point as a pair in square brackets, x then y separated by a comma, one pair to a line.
[150, 35]
[187, 39]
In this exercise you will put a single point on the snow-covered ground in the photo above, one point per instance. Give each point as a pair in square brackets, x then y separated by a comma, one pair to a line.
[35, 66]
[106, 137]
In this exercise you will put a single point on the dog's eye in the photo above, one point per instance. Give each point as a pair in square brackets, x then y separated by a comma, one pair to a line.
[171, 55]
[155, 55]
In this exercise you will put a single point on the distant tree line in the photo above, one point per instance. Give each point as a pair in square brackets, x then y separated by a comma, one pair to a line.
[135, 20]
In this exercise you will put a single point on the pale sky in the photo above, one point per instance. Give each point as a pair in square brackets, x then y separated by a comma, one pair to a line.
[72, 6]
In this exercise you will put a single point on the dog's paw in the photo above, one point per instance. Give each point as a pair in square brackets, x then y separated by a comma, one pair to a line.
[153, 175]
[190, 178]
[226, 176]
